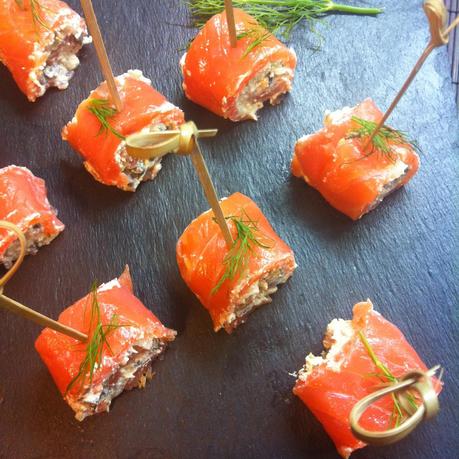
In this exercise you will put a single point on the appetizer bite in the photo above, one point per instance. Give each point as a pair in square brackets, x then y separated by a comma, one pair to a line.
[232, 282]
[39, 42]
[23, 201]
[351, 178]
[124, 339]
[360, 355]
[235, 82]
[98, 130]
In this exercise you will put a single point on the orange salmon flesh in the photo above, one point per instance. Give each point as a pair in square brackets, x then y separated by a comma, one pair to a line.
[332, 162]
[143, 107]
[35, 36]
[63, 355]
[24, 202]
[215, 74]
[201, 251]
[331, 386]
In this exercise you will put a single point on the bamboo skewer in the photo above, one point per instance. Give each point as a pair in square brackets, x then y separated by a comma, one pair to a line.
[21, 310]
[436, 13]
[40, 319]
[418, 381]
[231, 23]
[101, 51]
[184, 142]
[209, 191]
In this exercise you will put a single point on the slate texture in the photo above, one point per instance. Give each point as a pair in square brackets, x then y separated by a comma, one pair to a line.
[214, 395]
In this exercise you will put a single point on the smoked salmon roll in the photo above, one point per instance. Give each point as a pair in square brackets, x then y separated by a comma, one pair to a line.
[24, 202]
[124, 339]
[39, 42]
[235, 82]
[232, 282]
[98, 130]
[352, 180]
[331, 384]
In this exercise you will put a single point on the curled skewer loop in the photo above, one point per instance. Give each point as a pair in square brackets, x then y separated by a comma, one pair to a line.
[416, 381]
[22, 252]
[11, 305]
[156, 144]
[435, 11]
[183, 141]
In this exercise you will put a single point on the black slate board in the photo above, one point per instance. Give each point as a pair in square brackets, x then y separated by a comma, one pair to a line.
[216, 395]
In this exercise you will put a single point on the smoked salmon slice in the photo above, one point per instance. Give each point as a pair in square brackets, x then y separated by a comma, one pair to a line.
[97, 131]
[39, 42]
[354, 182]
[24, 202]
[235, 82]
[231, 283]
[331, 385]
[132, 338]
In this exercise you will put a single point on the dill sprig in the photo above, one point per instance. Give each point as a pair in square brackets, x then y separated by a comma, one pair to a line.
[103, 111]
[96, 345]
[36, 10]
[257, 38]
[277, 16]
[236, 259]
[399, 414]
[384, 140]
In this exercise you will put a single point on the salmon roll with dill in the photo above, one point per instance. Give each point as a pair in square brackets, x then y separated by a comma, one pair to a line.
[24, 203]
[231, 282]
[124, 340]
[39, 43]
[361, 356]
[235, 82]
[97, 131]
[351, 177]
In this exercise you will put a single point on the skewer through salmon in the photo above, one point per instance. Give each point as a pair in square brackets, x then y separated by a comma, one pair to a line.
[354, 181]
[331, 384]
[97, 131]
[24, 202]
[124, 339]
[39, 42]
[232, 282]
[235, 82]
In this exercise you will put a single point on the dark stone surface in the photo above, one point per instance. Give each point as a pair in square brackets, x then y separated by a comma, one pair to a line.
[216, 395]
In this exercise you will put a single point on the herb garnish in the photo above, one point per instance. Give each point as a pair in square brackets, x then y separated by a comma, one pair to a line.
[236, 259]
[97, 343]
[384, 139]
[399, 414]
[258, 37]
[36, 10]
[103, 111]
[276, 15]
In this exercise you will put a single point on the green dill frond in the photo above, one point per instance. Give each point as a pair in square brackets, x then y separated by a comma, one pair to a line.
[96, 345]
[103, 111]
[257, 38]
[36, 14]
[36, 11]
[246, 239]
[277, 16]
[398, 414]
[384, 140]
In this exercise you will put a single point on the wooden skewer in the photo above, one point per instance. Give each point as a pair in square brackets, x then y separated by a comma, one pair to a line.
[231, 23]
[209, 191]
[436, 13]
[94, 29]
[21, 310]
[454, 24]
[183, 141]
[18, 308]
